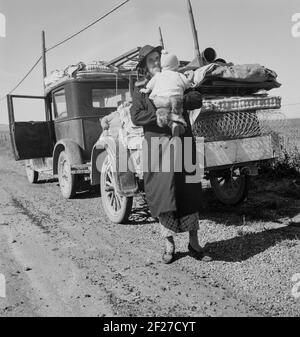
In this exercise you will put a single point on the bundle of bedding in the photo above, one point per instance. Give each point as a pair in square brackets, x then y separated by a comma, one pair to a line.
[245, 79]
[78, 70]
[57, 76]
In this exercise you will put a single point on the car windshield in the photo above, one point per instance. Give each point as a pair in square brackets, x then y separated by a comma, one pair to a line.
[109, 98]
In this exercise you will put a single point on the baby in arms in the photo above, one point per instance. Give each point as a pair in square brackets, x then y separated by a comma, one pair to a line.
[167, 89]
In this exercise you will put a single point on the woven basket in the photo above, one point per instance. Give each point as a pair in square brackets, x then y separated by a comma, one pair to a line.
[230, 125]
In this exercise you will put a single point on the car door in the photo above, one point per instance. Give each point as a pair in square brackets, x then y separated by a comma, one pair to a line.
[31, 139]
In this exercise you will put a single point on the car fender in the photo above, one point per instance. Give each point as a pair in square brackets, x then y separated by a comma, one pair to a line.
[125, 180]
[73, 151]
[101, 148]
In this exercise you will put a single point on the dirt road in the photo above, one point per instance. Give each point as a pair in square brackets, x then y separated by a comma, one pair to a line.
[64, 258]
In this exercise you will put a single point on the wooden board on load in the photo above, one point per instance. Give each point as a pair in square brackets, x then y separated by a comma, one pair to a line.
[230, 152]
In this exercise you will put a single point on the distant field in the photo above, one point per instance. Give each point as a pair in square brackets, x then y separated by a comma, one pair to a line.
[4, 128]
[289, 129]
[4, 138]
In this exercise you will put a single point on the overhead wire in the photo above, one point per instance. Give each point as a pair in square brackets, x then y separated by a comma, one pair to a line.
[71, 37]
[61, 43]
[87, 27]
[23, 79]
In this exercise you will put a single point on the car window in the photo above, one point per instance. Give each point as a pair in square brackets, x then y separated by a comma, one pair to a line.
[60, 104]
[109, 98]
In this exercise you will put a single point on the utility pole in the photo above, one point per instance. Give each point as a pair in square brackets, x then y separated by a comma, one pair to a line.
[195, 34]
[44, 55]
[44, 62]
[161, 38]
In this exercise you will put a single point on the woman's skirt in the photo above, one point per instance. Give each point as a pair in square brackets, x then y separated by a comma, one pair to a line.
[170, 225]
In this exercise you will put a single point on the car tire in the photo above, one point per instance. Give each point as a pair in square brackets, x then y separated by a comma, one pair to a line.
[230, 191]
[67, 180]
[116, 207]
[32, 175]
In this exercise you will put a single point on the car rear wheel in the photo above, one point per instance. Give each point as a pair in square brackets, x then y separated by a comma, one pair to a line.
[116, 207]
[231, 189]
[67, 180]
[32, 175]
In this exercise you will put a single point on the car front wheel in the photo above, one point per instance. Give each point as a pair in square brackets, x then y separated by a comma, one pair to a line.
[116, 207]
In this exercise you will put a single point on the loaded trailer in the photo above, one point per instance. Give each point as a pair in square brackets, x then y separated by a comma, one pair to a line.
[226, 165]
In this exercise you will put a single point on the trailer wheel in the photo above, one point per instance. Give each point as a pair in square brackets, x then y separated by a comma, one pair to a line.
[32, 175]
[67, 180]
[230, 189]
[116, 207]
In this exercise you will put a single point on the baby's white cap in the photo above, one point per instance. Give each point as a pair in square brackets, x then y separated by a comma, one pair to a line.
[169, 61]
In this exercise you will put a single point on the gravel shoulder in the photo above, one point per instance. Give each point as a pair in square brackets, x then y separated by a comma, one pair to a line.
[64, 258]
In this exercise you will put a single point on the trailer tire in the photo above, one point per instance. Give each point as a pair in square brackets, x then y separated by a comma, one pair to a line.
[67, 180]
[230, 191]
[32, 175]
[116, 207]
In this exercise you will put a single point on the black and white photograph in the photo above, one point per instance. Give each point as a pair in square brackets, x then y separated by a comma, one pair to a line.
[149, 161]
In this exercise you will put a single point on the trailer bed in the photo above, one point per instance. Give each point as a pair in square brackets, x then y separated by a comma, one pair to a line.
[238, 151]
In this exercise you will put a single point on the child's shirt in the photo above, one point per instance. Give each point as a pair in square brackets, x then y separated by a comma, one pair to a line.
[168, 83]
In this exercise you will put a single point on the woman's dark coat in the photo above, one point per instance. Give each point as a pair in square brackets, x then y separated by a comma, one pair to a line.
[167, 191]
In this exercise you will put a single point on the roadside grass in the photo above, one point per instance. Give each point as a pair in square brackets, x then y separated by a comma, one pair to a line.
[262, 205]
[5, 144]
[290, 243]
[288, 163]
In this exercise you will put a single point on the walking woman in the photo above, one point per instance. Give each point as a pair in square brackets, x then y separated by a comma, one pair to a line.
[170, 198]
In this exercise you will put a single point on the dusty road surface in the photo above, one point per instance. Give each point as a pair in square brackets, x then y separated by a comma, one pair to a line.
[64, 258]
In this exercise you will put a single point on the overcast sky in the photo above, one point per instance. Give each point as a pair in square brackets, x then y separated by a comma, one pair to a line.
[242, 31]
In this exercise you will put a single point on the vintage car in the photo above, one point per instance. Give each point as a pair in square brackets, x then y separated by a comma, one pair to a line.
[71, 144]
[63, 144]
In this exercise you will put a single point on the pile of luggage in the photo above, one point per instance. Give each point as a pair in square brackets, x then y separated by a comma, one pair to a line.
[77, 71]
[235, 100]
[235, 80]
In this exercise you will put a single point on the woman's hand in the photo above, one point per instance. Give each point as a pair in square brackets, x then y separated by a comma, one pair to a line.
[166, 118]
[163, 117]
[145, 91]
[177, 118]
[190, 75]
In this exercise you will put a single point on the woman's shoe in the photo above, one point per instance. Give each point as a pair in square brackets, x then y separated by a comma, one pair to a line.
[169, 253]
[199, 255]
[168, 257]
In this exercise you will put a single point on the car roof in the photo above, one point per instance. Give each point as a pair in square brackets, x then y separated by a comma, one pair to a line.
[88, 77]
